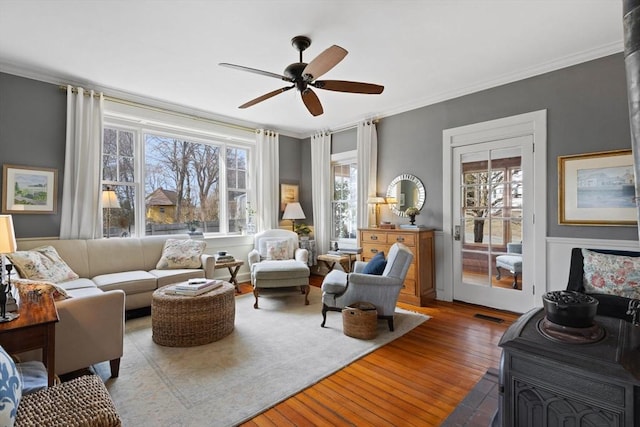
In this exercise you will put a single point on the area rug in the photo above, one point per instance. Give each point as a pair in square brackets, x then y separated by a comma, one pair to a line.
[273, 353]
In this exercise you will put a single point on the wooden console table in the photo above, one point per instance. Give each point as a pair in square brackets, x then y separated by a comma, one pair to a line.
[34, 329]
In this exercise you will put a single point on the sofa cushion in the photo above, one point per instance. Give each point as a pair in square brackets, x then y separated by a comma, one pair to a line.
[168, 277]
[335, 282]
[42, 263]
[375, 265]
[10, 389]
[287, 269]
[83, 292]
[130, 281]
[611, 274]
[77, 284]
[42, 287]
[183, 253]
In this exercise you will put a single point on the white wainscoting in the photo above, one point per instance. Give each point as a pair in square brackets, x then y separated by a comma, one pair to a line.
[559, 258]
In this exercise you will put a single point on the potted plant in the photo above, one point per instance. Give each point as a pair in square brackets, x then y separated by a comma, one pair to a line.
[303, 230]
[411, 213]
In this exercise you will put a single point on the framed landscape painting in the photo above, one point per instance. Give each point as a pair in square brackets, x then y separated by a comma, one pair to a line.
[288, 194]
[29, 190]
[597, 189]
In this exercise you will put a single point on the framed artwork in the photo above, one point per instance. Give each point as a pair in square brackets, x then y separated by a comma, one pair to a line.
[288, 194]
[597, 189]
[29, 190]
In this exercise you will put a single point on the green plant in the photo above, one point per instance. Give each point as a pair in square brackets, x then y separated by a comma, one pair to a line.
[302, 229]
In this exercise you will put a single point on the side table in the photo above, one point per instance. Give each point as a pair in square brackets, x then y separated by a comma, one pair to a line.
[233, 267]
[34, 329]
[330, 261]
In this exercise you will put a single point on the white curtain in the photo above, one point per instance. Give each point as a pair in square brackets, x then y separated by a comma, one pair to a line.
[81, 216]
[367, 145]
[321, 190]
[267, 178]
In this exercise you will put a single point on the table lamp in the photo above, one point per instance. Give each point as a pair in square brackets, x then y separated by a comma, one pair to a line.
[109, 201]
[7, 245]
[293, 211]
[376, 202]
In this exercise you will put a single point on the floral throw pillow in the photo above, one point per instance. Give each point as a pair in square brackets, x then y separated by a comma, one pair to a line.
[611, 274]
[181, 253]
[10, 389]
[42, 263]
[277, 249]
[41, 287]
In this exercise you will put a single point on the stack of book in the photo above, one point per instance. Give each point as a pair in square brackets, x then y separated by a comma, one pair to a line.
[224, 258]
[193, 287]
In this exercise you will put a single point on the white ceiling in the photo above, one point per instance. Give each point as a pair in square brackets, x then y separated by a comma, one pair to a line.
[167, 52]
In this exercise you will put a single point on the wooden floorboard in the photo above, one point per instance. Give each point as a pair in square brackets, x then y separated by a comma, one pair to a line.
[416, 380]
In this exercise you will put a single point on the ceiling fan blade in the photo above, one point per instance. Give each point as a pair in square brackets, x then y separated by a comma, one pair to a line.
[346, 86]
[322, 63]
[312, 102]
[265, 96]
[256, 71]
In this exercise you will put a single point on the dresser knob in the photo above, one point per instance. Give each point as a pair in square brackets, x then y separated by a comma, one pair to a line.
[400, 239]
[374, 251]
[374, 237]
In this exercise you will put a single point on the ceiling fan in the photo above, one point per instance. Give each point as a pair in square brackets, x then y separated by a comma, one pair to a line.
[304, 75]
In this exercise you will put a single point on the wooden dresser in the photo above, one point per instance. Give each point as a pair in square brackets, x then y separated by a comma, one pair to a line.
[419, 285]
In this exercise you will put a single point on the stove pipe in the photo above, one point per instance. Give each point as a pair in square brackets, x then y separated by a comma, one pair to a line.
[631, 24]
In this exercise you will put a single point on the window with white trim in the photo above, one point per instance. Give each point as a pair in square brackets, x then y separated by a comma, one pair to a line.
[344, 175]
[170, 181]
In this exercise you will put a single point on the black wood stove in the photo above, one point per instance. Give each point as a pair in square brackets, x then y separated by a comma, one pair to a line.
[553, 375]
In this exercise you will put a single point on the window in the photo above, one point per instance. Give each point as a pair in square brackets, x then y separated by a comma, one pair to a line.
[174, 182]
[344, 199]
[118, 172]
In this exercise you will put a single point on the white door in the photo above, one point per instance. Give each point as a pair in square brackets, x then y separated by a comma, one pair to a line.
[492, 214]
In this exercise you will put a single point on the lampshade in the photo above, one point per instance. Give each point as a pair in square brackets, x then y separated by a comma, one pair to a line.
[7, 235]
[110, 199]
[376, 200]
[293, 211]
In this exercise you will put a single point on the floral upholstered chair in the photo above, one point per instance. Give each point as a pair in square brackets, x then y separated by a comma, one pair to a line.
[277, 262]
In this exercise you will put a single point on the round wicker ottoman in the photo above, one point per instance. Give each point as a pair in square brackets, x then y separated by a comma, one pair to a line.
[186, 321]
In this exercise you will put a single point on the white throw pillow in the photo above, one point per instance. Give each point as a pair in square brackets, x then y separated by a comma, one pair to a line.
[277, 249]
[42, 263]
[181, 253]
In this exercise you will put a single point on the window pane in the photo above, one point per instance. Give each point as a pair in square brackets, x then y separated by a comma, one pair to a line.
[110, 145]
[120, 222]
[109, 168]
[236, 210]
[126, 169]
[181, 186]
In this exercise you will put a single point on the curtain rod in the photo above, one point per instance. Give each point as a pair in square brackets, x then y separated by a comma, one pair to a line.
[163, 110]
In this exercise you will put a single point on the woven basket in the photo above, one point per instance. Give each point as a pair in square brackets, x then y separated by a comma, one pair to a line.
[186, 321]
[360, 320]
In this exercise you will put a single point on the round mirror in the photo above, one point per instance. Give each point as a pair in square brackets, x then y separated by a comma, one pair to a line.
[405, 190]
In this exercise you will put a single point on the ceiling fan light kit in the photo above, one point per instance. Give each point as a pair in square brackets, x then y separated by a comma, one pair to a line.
[303, 75]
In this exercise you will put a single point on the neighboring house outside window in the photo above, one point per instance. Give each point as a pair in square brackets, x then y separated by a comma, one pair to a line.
[344, 174]
[170, 181]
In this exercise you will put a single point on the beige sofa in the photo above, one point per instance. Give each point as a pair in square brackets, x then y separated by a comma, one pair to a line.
[91, 326]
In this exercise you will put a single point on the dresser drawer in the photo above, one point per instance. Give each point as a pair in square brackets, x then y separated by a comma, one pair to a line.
[406, 239]
[408, 287]
[369, 250]
[373, 237]
[411, 272]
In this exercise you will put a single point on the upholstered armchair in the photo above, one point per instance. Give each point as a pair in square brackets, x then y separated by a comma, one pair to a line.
[512, 261]
[277, 262]
[339, 289]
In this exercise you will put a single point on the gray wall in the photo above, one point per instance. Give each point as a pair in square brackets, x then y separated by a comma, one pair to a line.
[32, 133]
[586, 111]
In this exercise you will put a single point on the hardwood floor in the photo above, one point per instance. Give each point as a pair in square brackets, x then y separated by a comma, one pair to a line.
[416, 380]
